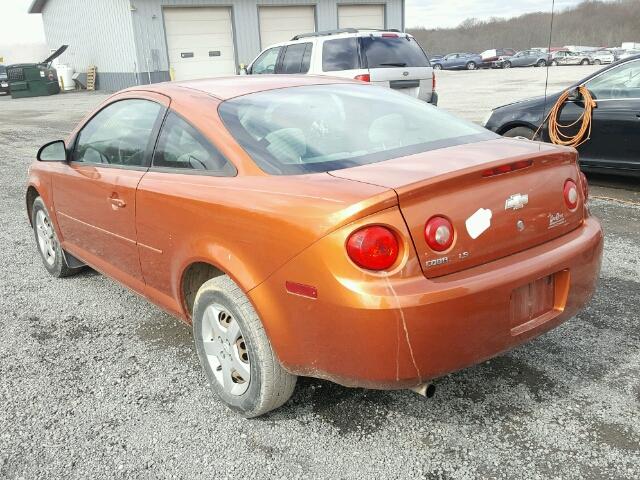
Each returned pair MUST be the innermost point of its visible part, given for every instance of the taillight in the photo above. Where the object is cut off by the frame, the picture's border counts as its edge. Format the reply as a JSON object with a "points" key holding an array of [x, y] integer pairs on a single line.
{"points": [[438, 232], [365, 77], [373, 248], [570, 193], [585, 186]]}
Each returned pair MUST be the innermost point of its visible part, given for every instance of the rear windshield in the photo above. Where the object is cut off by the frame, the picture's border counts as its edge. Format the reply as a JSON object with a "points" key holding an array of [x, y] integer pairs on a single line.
{"points": [[389, 52], [329, 127]]}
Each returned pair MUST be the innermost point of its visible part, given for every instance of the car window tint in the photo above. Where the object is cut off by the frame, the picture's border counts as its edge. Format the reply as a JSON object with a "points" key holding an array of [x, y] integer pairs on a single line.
{"points": [[389, 52], [181, 146], [619, 82], [266, 63], [340, 54], [294, 57], [118, 134]]}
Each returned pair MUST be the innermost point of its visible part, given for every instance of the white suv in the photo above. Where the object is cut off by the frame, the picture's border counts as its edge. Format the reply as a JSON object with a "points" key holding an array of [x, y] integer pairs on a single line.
{"points": [[388, 58]]}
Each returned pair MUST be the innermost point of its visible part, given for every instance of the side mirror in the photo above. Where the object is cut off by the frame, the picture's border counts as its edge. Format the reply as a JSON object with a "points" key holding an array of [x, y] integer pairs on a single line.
{"points": [[55, 151]]}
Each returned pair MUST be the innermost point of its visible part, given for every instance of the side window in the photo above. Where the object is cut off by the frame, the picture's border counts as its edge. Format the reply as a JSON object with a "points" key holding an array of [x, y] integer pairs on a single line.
{"points": [[340, 54], [119, 134], [294, 57], [266, 63], [619, 82], [181, 146]]}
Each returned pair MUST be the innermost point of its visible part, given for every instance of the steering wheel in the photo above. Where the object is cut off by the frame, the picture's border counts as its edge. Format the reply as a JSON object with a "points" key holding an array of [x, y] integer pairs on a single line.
{"points": [[123, 157], [93, 150]]}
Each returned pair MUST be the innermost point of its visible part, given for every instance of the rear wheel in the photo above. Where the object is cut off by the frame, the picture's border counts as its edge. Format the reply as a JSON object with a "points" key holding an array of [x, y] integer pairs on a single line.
{"points": [[525, 132], [48, 245], [584, 62], [541, 63], [235, 352], [597, 62], [554, 63], [437, 66], [471, 66]]}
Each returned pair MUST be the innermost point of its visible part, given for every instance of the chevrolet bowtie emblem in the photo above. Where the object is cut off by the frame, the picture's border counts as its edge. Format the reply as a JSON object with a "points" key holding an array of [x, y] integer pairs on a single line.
{"points": [[516, 201]]}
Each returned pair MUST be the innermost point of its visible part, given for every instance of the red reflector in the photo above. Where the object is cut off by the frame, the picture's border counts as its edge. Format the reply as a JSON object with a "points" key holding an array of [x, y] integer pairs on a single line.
{"points": [[373, 248], [301, 289], [570, 193], [365, 77], [509, 167], [433, 81], [389, 35], [438, 232]]}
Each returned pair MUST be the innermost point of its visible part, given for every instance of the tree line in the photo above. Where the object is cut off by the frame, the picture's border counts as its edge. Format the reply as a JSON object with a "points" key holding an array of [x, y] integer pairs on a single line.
{"points": [[592, 22]]}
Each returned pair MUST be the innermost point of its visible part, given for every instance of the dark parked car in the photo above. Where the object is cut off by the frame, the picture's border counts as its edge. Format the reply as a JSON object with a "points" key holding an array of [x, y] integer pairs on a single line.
{"points": [[4, 81], [525, 58], [614, 145], [457, 61], [494, 54]]}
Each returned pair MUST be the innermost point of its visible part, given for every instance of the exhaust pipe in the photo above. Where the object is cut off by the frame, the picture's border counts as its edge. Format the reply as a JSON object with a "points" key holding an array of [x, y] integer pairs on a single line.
{"points": [[427, 390]]}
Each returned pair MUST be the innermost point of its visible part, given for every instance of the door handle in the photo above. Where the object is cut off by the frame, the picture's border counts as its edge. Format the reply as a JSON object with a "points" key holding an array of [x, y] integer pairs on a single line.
{"points": [[117, 203]]}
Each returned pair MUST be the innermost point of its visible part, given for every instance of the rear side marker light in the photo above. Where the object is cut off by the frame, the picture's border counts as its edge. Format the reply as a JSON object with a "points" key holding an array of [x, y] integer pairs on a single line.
{"points": [[509, 167], [365, 77], [585, 186], [373, 248], [570, 193], [439, 233], [301, 289]]}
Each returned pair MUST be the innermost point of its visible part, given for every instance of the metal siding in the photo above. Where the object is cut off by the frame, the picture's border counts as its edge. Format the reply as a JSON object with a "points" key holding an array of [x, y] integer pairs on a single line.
{"points": [[98, 33]]}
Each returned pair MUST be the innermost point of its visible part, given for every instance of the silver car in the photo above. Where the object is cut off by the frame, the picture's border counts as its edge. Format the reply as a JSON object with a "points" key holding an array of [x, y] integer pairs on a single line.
{"points": [[602, 57], [563, 57]]}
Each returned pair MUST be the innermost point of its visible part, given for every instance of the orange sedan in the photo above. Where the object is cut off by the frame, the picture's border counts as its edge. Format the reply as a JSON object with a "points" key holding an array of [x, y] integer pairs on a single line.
{"points": [[319, 227]]}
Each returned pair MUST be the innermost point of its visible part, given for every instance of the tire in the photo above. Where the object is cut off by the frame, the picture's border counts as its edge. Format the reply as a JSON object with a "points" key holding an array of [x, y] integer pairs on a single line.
{"points": [[506, 64], [597, 62], [554, 63], [437, 66], [525, 132], [541, 63], [52, 255], [471, 66], [232, 345], [584, 62]]}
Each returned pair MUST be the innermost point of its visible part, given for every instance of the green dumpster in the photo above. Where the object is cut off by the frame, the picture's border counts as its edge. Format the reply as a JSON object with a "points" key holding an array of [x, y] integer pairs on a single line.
{"points": [[34, 79]]}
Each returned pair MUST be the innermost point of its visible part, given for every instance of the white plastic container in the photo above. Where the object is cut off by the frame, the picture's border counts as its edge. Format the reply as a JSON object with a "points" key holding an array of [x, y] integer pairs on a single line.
{"points": [[65, 77]]}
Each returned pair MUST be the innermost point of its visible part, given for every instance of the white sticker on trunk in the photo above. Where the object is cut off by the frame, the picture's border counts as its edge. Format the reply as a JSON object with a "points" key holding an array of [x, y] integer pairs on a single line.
{"points": [[478, 222]]}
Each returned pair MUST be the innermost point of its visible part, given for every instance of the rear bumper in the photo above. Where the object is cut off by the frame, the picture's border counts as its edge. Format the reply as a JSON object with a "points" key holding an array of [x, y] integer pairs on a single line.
{"points": [[421, 329]]}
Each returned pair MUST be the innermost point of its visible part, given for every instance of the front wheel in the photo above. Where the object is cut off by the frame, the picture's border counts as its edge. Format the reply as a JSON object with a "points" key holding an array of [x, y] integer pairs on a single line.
{"points": [[506, 65], [541, 63], [471, 66], [597, 62], [524, 132], [235, 352], [48, 245], [554, 63], [437, 66], [584, 62]]}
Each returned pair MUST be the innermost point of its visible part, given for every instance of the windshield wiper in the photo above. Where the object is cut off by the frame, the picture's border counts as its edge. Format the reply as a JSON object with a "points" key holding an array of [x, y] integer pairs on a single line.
{"points": [[399, 64]]}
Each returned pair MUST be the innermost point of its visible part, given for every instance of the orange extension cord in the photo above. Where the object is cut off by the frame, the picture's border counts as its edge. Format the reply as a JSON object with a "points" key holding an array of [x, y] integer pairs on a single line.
{"points": [[556, 128]]}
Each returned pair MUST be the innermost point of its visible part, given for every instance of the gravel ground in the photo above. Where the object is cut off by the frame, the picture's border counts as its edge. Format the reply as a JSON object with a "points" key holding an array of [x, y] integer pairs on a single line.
{"points": [[97, 383]]}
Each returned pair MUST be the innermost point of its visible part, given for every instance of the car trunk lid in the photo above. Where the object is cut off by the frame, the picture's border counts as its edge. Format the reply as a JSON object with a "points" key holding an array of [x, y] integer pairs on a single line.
{"points": [[493, 215]]}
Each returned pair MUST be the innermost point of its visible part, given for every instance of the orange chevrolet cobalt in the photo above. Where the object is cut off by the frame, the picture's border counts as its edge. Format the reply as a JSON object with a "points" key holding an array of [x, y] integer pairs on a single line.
{"points": [[319, 227]]}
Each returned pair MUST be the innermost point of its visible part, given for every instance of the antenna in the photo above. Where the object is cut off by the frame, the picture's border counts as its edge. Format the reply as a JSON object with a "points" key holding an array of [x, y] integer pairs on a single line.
{"points": [[546, 82]]}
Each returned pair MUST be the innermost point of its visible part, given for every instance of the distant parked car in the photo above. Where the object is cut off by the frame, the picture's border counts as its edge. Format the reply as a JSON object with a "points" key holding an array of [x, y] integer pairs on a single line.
{"points": [[614, 143], [4, 82], [525, 58], [434, 58], [458, 61], [564, 57], [629, 53], [602, 57], [494, 54], [385, 58]]}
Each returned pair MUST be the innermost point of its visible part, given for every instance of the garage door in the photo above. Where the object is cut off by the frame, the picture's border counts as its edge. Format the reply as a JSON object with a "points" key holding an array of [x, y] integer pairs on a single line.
{"points": [[361, 16], [200, 42], [280, 24]]}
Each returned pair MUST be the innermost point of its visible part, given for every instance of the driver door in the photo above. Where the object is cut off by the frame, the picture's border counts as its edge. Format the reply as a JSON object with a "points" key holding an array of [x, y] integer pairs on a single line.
{"points": [[95, 193]]}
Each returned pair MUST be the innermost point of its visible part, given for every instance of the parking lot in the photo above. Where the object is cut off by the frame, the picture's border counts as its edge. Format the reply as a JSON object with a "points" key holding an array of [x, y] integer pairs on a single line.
{"points": [[98, 383]]}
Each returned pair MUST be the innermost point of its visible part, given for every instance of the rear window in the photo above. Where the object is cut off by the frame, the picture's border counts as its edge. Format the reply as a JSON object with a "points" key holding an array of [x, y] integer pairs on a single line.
{"points": [[389, 52], [329, 127], [340, 54]]}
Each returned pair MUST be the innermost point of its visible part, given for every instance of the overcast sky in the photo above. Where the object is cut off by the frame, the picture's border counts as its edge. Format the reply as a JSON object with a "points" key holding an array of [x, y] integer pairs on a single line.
{"points": [[16, 26]]}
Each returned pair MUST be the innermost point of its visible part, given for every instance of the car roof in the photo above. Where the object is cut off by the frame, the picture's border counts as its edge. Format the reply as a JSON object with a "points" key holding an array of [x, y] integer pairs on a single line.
{"points": [[225, 88]]}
